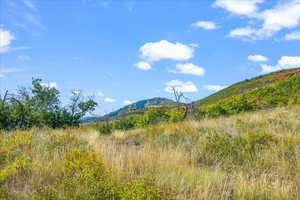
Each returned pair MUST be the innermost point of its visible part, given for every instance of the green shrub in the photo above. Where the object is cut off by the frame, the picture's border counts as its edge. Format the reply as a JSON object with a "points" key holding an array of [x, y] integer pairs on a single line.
{"points": [[104, 127], [124, 124], [140, 190], [233, 151]]}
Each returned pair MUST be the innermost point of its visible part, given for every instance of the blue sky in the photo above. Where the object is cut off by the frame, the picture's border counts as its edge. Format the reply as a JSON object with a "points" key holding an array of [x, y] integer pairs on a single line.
{"points": [[122, 51]]}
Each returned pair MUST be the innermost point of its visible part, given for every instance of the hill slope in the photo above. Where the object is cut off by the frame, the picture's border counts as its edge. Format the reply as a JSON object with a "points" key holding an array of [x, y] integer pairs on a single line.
{"points": [[247, 85], [157, 101]]}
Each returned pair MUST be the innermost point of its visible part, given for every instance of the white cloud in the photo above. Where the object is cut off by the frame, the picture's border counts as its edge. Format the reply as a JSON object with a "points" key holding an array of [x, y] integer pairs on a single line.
{"points": [[127, 102], [189, 68], [293, 35], [240, 7], [289, 61], [109, 100], [269, 68], [266, 23], [214, 88], [242, 32], [5, 39], [181, 86], [207, 25], [155, 51], [285, 62], [50, 85], [143, 65], [24, 57], [284, 15], [257, 58]]}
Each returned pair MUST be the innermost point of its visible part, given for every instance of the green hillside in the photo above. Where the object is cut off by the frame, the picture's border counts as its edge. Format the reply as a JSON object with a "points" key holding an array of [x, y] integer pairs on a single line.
{"points": [[147, 103], [247, 85], [280, 89]]}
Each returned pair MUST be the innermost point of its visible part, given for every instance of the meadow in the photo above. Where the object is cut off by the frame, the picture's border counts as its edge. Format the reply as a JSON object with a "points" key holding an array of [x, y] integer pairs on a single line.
{"points": [[248, 156]]}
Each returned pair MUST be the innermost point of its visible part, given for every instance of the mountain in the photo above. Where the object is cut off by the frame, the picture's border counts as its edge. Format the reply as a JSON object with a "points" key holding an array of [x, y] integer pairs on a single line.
{"points": [[248, 84], [154, 102]]}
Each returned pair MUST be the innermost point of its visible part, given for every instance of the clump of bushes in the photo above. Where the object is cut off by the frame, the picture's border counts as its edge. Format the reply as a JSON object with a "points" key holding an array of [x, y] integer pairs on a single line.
{"points": [[39, 106], [149, 117], [233, 151]]}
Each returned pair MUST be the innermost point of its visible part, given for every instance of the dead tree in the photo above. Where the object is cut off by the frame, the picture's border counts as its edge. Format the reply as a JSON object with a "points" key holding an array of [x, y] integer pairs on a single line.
{"points": [[179, 97]]}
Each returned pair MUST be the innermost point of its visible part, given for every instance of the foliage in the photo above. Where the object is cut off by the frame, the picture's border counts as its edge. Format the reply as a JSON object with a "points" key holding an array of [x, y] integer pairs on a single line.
{"points": [[280, 93], [149, 117], [40, 106], [243, 86]]}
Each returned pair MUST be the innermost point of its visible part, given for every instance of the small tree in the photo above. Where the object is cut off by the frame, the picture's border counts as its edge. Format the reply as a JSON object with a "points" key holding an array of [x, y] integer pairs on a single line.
{"points": [[40, 106], [79, 107]]}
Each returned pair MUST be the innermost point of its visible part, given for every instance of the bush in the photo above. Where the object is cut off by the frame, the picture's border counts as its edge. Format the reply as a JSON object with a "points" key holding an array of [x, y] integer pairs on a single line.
{"points": [[231, 151], [124, 124], [104, 128], [140, 190]]}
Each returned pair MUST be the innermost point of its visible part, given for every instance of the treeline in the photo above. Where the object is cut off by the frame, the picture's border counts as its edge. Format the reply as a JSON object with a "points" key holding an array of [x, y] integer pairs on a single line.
{"points": [[280, 93], [40, 106]]}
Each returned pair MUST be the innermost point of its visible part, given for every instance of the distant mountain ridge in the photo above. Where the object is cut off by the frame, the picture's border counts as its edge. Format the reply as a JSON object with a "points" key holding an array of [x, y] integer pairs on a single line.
{"points": [[146, 103]]}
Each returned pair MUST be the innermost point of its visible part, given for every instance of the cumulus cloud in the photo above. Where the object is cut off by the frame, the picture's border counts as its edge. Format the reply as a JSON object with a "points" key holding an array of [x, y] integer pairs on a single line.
{"points": [[143, 65], [239, 7], [49, 85], [257, 58], [214, 88], [284, 15], [207, 25], [295, 35], [189, 68], [127, 102], [242, 32], [5, 40], [285, 62], [109, 100], [181, 86], [289, 61], [155, 51]]}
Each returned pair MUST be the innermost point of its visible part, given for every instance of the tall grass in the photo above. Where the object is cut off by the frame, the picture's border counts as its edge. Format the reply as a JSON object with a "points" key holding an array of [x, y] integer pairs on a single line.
{"points": [[248, 156], [251, 156]]}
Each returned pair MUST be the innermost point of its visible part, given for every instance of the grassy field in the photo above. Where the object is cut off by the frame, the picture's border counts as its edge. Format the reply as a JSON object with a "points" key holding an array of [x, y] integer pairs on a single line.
{"points": [[250, 156]]}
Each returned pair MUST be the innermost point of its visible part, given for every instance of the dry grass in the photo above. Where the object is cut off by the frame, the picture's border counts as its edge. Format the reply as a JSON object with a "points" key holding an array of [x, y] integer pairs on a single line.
{"points": [[251, 156], [171, 154]]}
